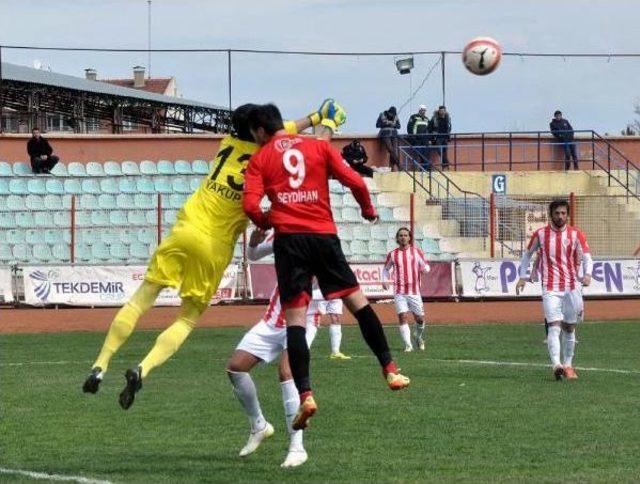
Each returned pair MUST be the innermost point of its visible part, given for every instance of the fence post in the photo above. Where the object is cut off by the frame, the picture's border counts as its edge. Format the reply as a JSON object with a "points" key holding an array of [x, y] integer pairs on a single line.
{"points": [[482, 151], [455, 152], [510, 150], [159, 218], [72, 255], [245, 267], [572, 209], [538, 168], [492, 225], [412, 213], [593, 150]]}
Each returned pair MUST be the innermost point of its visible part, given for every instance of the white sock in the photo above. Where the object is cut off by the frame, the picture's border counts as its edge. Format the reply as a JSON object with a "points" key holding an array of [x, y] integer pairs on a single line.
{"points": [[420, 330], [335, 333], [245, 390], [568, 347], [553, 343], [291, 401], [405, 334], [312, 329]]}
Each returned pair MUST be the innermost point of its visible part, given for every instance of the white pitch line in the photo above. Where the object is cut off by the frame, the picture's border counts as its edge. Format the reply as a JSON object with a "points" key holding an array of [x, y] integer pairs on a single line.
{"points": [[28, 363], [52, 477]]}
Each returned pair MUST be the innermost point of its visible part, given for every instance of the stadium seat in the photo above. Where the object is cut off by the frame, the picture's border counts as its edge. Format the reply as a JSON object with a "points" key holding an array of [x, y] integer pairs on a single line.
{"points": [[107, 202], [61, 252], [61, 219], [42, 253], [195, 183], [112, 168], [350, 214], [337, 215], [128, 185], [361, 232], [18, 186], [7, 220], [100, 251], [5, 169], [348, 200], [24, 220], [358, 249], [182, 167], [22, 253], [379, 232], [145, 185], [53, 236], [110, 236], [147, 236], [139, 251], [22, 169], [83, 218], [42, 219], [181, 185], [54, 187], [430, 245], [87, 202], [345, 231], [4, 186], [145, 201], [94, 169], [91, 186], [163, 185], [336, 187], [83, 253], [3, 204], [148, 167], [385, 214], [119, 251], [136, 217], [118, 218], [124, 201], [6, 255], [15, 236], [99, 218], [377, 249], [130, 168], [87, 236], [169, 216], [200, 167], [176, 200], [128, 236], [33, 202], [371, 185], [60, 170], [76, 169], [72, 186], [36, 186], [336, 200], [391, 244], [165, 167]]}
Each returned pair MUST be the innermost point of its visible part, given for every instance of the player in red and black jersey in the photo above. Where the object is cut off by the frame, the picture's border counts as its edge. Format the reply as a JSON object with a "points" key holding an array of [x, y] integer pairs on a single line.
{"points": [[293, 171]]}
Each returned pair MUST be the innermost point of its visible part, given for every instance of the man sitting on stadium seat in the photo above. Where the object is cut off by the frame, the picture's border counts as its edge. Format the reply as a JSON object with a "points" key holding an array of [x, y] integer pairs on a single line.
{"points": [[41, 153]]}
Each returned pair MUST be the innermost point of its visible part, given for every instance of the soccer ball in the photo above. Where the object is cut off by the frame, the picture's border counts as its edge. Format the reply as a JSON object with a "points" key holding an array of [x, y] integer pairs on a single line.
{"points": [[482, 55]]}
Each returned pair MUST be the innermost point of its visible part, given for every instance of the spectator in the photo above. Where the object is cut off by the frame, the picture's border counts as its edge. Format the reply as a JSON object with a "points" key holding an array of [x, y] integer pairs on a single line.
{"points": [[418, 131], [389, 125], [355, 154], [440, 126], [41, 153], [563, 131]]}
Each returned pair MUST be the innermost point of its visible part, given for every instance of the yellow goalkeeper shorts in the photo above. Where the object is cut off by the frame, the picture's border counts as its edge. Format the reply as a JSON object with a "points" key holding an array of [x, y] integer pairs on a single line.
{"points": [[190, 261]]}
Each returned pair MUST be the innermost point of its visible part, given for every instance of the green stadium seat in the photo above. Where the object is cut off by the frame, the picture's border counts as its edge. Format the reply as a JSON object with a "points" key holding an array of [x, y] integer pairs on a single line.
{"points": [[18, 186], [16, 236], [139, 251], [176, 200], [119, 251], [145, 201], [345, 231], [54, 187], [163, 185], [7, 220], [83, 253], [21, 253], [200, 167], [24, 220], [42, 219], [61, 219], [358, 249], [348, 200], [136, 217], [165, 167], [94, 169], [181, 185], [87, 202], [4, 186], [22, 169], [76, 169], [337, 215], [110, 236], [147, 236], [128, 236], [6, 255], [112, 168], [350, 214], [100, 251], [52, 237], [91, 186], [36, 186], [61, 252], [42, 253], [72, 186], [151, 217], [430, 245], [127, 185], [99, 218], [182, 167], [118, 218], [33, 202], [362, 231], [377, 249], [379, 232], [391, 244], [130, 168], [83, 218], [195, 183], [124, 201], [385, 214], [336, 200], [336, 187], [148, 168], [60, 170], [3, 204], [87, 236], [169, 216], [5, 169], [145, 185], [107, 202]]}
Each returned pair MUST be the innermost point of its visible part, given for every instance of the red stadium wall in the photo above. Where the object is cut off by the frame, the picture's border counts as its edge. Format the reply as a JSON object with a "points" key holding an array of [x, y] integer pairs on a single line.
{"points": [[136, 147]]}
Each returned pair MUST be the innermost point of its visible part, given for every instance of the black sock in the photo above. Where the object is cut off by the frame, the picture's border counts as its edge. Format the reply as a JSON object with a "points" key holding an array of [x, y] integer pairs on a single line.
{"points": [[299, 357], [546, 327], [373, 334]]}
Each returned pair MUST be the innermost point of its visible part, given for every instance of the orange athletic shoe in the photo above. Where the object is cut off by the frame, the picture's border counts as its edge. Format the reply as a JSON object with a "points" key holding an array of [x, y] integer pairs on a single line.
{"points": [[396, 381], [570, 373], [305, 412], [558, 372]]}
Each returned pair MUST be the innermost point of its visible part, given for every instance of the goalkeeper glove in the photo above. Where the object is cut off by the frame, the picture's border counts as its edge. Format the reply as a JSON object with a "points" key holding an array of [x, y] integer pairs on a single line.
{"points": [[316, 116], [333, 116]]}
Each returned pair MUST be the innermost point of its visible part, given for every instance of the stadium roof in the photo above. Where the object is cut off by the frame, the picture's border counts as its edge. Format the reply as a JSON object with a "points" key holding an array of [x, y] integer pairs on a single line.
{"points": [[13, 72]]}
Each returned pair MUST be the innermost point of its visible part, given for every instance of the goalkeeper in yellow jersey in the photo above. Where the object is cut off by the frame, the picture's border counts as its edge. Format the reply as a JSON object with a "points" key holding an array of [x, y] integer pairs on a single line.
{"points": [[196, 253]]}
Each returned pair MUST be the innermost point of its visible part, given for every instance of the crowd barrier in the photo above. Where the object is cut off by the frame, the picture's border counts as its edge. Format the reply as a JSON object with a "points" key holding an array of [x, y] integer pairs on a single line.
{"points": [[112, 285]]}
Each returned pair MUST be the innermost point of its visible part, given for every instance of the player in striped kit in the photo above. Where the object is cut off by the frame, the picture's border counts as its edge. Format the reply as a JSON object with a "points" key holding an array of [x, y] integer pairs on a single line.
{"points": [[562, 250], [264, 342], [407, 264]]}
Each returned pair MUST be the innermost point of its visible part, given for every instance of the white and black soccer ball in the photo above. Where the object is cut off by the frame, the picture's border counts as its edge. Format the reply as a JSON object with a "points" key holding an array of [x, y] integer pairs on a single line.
{"points": [[482, 55]]}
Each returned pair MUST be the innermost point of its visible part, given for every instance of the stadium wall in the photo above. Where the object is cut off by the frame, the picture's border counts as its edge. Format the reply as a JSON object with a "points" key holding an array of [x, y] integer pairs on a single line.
{"points": [[138, 147]]}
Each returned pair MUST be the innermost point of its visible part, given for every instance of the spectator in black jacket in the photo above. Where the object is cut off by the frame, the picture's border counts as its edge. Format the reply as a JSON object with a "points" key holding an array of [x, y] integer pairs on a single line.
{"points": [[41, 153], [389, 125], [563, 131], [418, 131], [355, 154], [440, 126]]}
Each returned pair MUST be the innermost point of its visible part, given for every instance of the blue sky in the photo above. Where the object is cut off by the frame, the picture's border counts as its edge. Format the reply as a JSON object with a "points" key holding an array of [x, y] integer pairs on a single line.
{"points": [[520, 95]]}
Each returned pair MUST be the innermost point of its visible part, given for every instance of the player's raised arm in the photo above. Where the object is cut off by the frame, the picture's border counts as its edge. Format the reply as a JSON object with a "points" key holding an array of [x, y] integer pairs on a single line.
{"points": [[253, 193], [532, 248]]}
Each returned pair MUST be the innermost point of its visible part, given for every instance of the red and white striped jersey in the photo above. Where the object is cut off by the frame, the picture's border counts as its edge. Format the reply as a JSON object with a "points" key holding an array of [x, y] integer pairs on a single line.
{"points": [[274, 315], [406, 265], [560, 254]]}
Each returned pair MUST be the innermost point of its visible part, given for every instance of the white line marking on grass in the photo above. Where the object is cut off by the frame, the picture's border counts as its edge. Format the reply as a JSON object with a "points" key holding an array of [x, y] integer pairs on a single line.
{"points": [[25, 363], [52, 477]]}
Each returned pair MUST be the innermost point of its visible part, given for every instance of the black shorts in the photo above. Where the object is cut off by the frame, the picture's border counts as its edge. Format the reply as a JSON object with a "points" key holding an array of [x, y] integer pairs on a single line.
{"points": [[299, 257]]}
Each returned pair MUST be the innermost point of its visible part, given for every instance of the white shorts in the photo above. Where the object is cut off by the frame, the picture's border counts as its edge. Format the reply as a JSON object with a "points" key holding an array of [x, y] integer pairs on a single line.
{"points": [[406, 303], [333, 306], [563, 306], [264, 342]]}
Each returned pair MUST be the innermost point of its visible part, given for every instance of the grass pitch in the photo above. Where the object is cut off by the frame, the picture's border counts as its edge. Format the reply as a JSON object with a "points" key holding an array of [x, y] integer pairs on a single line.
{"points": [[466, 417]]}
